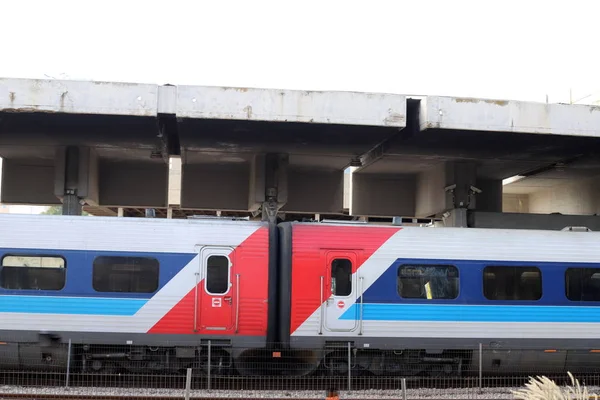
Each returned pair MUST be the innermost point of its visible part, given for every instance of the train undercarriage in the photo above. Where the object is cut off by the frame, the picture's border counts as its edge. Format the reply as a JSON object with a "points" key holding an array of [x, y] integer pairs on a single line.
{"points": [[52, 355]]}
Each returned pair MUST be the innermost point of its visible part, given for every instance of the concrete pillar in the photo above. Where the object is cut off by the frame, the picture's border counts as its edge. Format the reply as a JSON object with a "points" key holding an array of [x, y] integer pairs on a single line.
{"points": [[76, 178], [461, 178], [268, 184], [448, 186], [490, 199], [452, 188]]}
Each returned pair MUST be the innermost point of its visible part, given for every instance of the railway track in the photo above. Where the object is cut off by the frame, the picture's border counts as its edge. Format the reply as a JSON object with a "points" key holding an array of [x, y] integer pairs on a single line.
{"points": [[42, 386], [102, 397]]}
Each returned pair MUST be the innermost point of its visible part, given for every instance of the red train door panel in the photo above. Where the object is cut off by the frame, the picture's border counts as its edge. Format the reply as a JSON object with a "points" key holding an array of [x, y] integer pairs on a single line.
{"points": [[217, 299], [342, 285]]}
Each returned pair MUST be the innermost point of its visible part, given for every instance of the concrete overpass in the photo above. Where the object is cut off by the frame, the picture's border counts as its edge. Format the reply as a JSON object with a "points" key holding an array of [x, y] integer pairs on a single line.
{"points": [[277, 151]]}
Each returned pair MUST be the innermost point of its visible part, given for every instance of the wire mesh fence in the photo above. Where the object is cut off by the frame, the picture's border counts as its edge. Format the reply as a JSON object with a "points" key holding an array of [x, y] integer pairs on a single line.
{"points": [[469, 372]]}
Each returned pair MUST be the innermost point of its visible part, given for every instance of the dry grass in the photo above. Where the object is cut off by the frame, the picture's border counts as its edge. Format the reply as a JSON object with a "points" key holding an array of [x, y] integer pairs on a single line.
{"points": [[542, 388]]}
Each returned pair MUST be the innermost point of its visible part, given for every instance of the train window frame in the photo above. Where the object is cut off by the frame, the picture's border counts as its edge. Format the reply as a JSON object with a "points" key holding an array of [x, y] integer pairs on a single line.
{"points": [[595, 271], [34, 255], [228, 275], [417, 265], [525, 268], [95, 267], [331, 277]]}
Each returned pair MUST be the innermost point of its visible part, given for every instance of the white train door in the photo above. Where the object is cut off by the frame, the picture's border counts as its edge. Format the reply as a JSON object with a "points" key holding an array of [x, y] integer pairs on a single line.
{"points": [[341, 284]]}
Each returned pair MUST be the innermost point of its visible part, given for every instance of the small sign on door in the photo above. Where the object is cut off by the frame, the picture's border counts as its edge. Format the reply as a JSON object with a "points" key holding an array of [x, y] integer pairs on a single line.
{"points": [[216, 302]]}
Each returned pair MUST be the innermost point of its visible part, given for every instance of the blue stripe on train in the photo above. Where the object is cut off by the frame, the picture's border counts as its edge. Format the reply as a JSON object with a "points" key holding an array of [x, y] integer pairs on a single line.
{"points": [[384, 290], [70, 305], [472, 313], [79, 272]]}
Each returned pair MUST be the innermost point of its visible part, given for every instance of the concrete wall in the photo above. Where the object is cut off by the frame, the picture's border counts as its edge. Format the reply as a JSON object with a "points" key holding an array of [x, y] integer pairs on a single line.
{"points": [[579, 197], [491, 198], [314, 191], [133, 184], [215, 186], [430, 196], [383, 195], [374, 194], [27, 182], [515, 203]]}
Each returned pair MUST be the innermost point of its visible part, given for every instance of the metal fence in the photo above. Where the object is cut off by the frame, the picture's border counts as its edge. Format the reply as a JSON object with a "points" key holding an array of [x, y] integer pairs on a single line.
{"points": [[472, 372]]}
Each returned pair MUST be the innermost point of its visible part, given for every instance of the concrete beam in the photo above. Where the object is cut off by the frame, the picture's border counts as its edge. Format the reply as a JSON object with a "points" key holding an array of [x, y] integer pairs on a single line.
{"points": [[509, 116], [348, 108], [78, 97]]}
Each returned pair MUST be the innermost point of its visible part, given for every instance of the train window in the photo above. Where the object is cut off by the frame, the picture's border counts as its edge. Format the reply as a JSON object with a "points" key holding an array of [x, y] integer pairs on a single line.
{"points": [[22, 272], [341, 277], [582, 284], [217, 274], [512, 283], [125, 274], [429, 282]]}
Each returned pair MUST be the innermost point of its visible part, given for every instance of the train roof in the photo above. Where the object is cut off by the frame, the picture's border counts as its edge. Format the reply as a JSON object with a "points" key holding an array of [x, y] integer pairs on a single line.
{"points": [[366, 225], [193, 220]]}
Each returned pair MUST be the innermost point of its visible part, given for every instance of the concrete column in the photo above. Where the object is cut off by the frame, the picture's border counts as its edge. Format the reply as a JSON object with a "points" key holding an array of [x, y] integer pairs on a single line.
{"points": [[71, 202], [76, 178], [268, 184], [490, 199], [461, 177], [449, 186]]}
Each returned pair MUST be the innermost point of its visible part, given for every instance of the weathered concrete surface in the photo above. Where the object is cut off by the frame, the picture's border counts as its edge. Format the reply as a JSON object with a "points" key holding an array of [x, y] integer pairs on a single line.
{"points": [[509, 116], [397, 143]]}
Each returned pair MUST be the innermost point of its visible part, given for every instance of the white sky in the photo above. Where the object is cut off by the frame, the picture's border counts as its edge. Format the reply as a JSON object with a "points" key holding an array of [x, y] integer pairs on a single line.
{"points": [[500, 49]]}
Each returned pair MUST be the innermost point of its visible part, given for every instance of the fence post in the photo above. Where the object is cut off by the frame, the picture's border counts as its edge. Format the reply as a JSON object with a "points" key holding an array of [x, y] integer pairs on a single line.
{"points": [[480, 367], [209, 362], [403, 388], [349, 367], [188, 383], [68, 364]]}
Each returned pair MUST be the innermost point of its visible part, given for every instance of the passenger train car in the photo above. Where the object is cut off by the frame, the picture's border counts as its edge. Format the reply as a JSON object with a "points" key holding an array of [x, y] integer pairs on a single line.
{"points": [[132, 293], [411, 300], [150, 294]]}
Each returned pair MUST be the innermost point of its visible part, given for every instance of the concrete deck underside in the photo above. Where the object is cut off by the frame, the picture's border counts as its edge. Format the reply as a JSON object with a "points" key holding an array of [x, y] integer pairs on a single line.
{"points": [[109, 144]]}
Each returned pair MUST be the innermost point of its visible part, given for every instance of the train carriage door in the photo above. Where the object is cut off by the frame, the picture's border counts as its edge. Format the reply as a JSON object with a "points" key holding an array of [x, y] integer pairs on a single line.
{"points": [[341, 312], [216, 300]]}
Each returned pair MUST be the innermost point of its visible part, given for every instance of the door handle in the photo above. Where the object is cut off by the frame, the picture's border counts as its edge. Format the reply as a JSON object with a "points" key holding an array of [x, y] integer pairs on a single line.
{"points": [[227, 299]]}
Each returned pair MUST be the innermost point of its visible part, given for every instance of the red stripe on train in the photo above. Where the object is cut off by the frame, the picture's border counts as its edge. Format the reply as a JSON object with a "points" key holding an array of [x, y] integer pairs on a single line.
{"points": [[309, 248], [251, 260]]}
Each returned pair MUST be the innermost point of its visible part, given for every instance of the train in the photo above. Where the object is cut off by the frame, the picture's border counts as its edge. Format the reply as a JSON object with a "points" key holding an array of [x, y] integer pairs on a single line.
{"points": [[296, 298]]}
